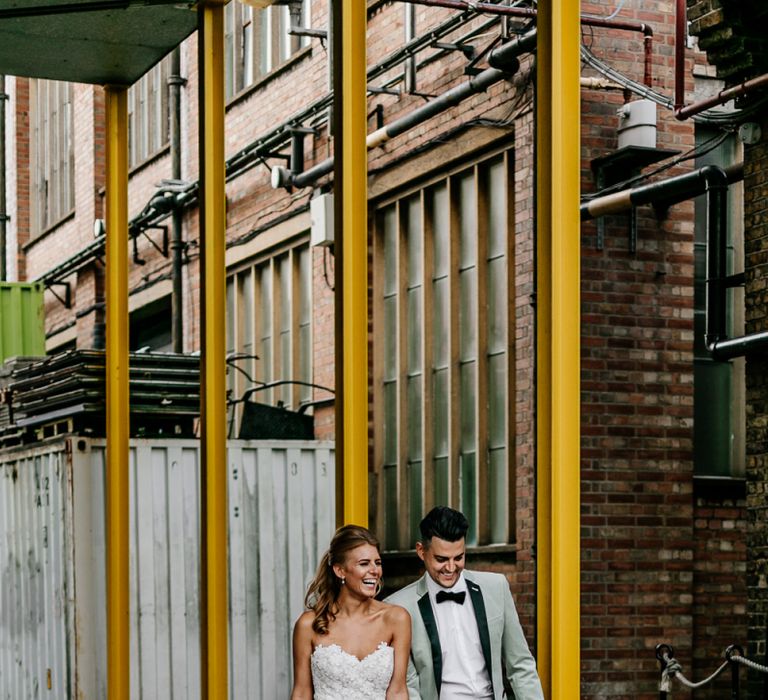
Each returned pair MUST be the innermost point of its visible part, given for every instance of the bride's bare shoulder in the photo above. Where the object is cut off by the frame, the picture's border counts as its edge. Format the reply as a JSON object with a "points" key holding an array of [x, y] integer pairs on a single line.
{"points": [[304, 622]]}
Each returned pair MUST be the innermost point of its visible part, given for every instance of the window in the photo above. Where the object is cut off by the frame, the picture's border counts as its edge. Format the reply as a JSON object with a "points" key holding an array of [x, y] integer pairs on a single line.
{"points": [[257, 42], [150, 327], [719, 398], [443, 362], [52, 152], [148, 125], [269, 332]]}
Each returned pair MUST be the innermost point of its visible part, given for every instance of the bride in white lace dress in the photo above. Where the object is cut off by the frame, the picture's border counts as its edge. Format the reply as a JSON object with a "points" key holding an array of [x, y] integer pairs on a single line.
{"points": [[348, 645]]}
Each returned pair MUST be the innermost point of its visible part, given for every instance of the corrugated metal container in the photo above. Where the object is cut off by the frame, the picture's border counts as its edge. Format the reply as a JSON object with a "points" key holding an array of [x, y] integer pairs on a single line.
{"points": [[22, 326], [52, 565]]}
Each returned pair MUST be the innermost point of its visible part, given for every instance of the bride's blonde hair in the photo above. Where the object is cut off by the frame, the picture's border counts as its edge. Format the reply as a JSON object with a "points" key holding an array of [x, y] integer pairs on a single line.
{"points": [[324, 590]]}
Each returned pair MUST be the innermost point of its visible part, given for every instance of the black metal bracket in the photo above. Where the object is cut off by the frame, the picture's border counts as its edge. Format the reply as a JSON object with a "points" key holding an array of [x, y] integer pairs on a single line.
{"points": [[67, 298], [375, 90], [306, 31], [162, 249], [467, 49], [616, 167]]}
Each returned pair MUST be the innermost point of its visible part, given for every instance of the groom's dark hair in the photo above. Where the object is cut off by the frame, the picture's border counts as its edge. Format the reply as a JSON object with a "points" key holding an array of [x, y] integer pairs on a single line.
{"points": [[445, 523]]}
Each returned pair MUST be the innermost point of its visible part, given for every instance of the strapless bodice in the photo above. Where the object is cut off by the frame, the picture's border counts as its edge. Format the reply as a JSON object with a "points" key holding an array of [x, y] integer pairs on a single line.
{"points": [[338, 675]]}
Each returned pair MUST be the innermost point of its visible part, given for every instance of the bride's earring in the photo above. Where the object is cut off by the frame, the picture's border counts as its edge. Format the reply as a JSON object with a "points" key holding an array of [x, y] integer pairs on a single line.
{"points": [[343, 580]]}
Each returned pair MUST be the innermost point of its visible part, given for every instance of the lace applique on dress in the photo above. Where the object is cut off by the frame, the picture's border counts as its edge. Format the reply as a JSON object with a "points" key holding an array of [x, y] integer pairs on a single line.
{"points": [[337, 675]]}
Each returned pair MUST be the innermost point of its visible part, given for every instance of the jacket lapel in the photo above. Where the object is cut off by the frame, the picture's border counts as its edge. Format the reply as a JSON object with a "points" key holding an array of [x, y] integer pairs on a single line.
{"points": [[428, 617], [482, 624]]}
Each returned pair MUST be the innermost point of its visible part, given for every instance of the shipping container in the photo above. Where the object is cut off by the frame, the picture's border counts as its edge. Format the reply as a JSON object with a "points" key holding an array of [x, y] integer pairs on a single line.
{"points": [[52, 565], [22, 324]]}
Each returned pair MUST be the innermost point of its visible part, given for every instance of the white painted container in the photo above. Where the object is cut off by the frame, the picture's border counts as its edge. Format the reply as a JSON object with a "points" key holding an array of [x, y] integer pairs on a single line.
{"points": [[52, 563], [637, 124]]}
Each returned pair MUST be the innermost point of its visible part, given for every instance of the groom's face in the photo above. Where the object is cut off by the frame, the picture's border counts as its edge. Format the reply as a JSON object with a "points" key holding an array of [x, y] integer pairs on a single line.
{"points": [[443, 560]]}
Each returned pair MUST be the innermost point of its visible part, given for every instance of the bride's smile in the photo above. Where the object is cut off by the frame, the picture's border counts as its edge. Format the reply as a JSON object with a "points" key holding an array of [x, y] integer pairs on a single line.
{"points": [[361, 571]]}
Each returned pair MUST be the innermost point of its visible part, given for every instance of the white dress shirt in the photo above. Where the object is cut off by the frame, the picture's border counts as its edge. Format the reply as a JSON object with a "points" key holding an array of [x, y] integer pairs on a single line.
{"points": [[464, 673]]}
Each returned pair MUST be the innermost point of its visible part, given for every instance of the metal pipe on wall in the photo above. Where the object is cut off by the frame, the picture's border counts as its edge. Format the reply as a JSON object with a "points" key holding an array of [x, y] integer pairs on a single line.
{"points": [[504, 55], [666, 192], [722, 97], [587, 20], [409, 69], [3, 206], [713, 181], [175, 81]]}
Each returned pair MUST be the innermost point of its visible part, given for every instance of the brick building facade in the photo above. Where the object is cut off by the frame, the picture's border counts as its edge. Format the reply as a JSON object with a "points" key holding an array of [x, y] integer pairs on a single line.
{"points": [[663, 550]]}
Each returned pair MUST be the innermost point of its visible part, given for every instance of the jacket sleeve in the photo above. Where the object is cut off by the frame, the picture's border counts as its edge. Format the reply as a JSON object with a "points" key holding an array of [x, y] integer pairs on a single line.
{"points": [[519, 664], [412, 680]]}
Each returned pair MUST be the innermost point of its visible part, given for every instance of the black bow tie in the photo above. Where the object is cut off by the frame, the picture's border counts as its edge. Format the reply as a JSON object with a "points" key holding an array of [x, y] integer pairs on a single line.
{"points": [[442, 596]]}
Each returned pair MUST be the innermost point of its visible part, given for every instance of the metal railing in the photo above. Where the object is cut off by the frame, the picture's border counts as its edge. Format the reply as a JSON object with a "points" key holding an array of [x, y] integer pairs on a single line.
{"points": [[672, 670]]}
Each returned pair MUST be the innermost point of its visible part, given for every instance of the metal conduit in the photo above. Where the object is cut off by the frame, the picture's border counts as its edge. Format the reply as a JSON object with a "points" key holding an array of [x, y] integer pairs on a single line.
{"points": [[587, 20], [175, 81], [503, 56], [683, 111], [713, 182], [669, 191], [3, 212], [722, 97]]}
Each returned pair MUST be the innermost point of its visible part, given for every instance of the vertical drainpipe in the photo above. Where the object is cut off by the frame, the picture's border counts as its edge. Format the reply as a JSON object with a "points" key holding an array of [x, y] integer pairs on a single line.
{"points": [[681, 21], [557, 347], [213, 397], [3, 210], [409, 82], [175, 81], [337, 59], [118, 412], [717, 227]]}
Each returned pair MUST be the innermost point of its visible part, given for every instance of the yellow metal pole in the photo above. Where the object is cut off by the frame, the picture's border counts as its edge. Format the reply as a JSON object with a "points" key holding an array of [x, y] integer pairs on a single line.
{"points": [[213, 367], [558, 161], [355, 262], [118, 639], [543, 350]]}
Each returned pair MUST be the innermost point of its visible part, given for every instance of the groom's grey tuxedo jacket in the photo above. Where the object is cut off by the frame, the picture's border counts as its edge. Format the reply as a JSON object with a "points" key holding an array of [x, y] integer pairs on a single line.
{"points": [[501, 637]]}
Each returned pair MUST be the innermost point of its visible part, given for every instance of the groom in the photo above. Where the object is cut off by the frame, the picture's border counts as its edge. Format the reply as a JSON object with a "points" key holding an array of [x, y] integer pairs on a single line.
{"points": [[465, 627]]}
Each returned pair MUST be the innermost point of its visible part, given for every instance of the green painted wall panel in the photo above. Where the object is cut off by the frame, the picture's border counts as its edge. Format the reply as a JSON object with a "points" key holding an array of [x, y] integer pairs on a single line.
{"points": [[22, 327]]}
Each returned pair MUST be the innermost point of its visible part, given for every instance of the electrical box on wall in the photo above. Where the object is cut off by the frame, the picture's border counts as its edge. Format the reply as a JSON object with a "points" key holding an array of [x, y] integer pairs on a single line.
{"points": [[321, 218]]}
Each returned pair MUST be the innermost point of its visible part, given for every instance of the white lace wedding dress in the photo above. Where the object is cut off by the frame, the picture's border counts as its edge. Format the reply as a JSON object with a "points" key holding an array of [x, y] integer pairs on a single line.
{"points": [[337, 675]]}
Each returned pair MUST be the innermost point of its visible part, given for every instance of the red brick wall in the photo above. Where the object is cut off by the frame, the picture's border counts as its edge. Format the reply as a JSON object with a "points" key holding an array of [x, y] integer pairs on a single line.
{"points": [[719, 583], [756, 317]]}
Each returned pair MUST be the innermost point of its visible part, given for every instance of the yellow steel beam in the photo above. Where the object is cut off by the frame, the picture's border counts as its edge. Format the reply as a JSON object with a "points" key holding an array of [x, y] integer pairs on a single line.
{"points": [[355, 262], [558, 359], [118, 639], [543, 354], [213, 385]]}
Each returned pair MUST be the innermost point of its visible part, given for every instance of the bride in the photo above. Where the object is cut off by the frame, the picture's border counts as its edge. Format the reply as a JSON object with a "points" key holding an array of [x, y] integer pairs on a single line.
{"points": [[348, 645]]}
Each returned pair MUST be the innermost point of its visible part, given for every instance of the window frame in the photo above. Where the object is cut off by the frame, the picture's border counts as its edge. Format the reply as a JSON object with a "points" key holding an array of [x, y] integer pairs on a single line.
{"points": [[248, 335], [149, 131], [244, 65], [52, 154], [706, 423], [410, 508]]}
